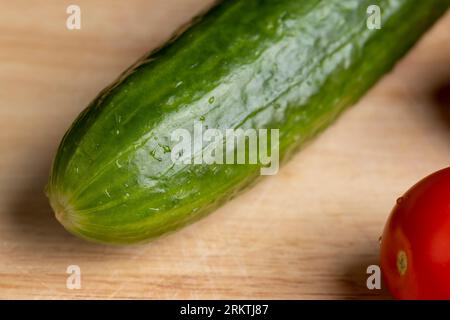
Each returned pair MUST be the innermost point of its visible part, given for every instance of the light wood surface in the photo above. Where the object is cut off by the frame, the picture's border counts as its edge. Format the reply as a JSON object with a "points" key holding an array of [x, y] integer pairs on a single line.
{"points": [[309, 232]]}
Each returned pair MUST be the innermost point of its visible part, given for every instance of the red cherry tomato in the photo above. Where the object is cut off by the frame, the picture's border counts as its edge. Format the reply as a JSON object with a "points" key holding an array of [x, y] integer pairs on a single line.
{"points": [[415, 246]]}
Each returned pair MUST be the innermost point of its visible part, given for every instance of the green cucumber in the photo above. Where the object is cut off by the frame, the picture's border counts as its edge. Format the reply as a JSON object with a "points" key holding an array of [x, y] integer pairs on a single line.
{"points": [[291, 65]]}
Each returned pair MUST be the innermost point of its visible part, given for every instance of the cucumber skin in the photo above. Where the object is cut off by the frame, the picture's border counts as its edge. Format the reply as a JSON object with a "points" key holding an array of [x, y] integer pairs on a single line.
{"points": [[287, 64]]}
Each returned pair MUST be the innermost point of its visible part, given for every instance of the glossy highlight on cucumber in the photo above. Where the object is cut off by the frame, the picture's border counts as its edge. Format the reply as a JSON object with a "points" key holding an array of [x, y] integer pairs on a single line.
{"points": [[291, 65]]}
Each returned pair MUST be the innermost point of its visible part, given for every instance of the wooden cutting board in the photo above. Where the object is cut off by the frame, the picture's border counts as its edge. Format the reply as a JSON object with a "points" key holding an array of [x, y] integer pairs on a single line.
{"points": [[309, 232]]}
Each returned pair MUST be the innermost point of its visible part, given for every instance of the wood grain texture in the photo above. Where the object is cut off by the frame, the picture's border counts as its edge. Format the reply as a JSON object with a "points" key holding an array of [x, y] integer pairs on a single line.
{"points": [[309, 232]]}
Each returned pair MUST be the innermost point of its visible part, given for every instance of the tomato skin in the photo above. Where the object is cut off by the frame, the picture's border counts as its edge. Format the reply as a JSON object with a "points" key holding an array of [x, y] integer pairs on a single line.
{"points": [[416, 241]]}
